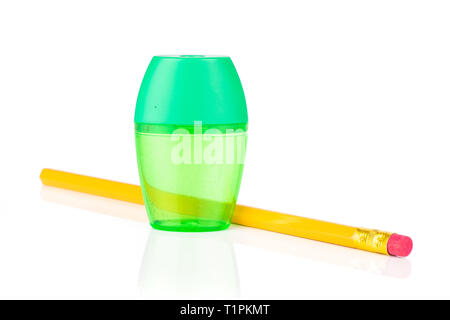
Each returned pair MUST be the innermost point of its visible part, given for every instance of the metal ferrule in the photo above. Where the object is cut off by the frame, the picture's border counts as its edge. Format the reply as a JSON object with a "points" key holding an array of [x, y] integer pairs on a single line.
{"points": [[371, 240]]}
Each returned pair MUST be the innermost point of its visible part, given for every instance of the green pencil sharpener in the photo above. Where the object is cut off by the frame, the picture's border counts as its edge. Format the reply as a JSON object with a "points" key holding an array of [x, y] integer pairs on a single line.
{"points": [[191, 136]]}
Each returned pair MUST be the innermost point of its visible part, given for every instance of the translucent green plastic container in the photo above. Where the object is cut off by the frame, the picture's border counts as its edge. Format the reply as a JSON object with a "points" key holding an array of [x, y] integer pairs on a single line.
{"points": [[191, 135]]}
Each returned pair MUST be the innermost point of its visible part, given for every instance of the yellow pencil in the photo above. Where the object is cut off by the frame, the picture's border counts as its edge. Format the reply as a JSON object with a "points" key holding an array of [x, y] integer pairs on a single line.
{"points": [[358, 238]]}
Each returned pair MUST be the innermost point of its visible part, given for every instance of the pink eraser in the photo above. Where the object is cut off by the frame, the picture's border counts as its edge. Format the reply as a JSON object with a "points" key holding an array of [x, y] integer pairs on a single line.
{"points": [[399, 245]]}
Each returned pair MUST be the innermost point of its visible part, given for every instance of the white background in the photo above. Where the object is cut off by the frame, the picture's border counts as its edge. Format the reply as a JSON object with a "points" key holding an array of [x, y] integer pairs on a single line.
{"points": [[349, 115]]}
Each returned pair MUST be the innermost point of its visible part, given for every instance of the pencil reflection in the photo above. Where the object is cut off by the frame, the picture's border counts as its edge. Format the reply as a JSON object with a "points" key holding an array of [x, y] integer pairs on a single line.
{"points": [[174, 264], [323, 252], [189, 250], [110, 207]]}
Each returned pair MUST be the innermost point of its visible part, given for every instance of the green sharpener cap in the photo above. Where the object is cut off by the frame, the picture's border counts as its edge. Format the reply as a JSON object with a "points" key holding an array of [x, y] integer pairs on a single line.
{"points": [[187, 88]]}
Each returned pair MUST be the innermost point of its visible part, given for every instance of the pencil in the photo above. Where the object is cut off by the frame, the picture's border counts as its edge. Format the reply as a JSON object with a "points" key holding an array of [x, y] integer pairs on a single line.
{"points": [[359, 238]]}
